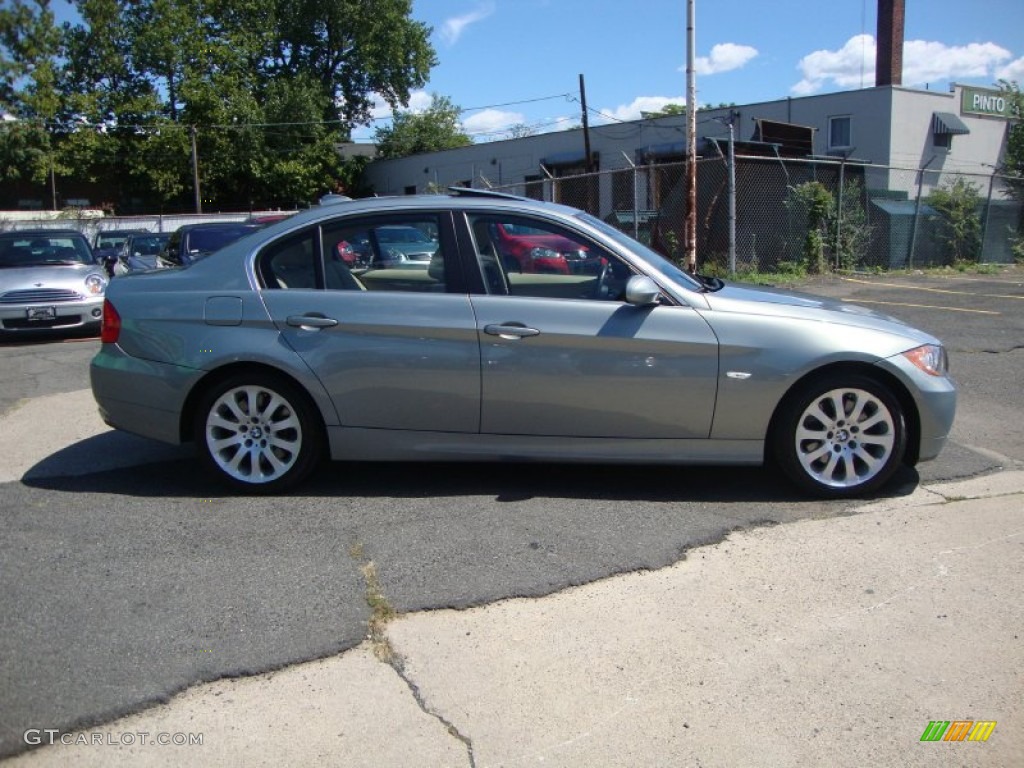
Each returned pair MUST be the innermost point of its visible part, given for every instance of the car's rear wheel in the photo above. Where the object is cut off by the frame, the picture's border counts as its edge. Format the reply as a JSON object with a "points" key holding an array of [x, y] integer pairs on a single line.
{"points": [[258, 433], [843, 435]]}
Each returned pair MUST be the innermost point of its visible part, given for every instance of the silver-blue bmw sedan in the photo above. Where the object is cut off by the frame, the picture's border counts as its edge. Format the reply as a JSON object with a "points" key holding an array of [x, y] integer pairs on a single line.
{"points": [[275, 352]]}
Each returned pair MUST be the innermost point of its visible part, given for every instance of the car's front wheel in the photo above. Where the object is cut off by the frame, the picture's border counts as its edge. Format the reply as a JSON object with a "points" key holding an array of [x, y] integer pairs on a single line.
{"points": [[843, 435], [258, 432]]}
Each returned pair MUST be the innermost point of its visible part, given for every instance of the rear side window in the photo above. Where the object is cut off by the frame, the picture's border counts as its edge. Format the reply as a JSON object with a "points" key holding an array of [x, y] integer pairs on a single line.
{"points": [[399, 253], [291, 264]]}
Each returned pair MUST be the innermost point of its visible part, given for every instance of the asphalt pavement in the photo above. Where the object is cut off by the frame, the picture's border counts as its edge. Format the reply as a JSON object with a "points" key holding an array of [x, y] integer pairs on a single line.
{"points": [[565, 616]]}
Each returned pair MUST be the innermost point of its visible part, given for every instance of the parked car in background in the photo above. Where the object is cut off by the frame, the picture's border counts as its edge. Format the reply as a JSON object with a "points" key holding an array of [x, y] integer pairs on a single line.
{"points": [[389, 246], [141, 251], [401, 246], [523, 248], [264, 219], [49, 280], [273, 353], [107, 246], [192, 242]]}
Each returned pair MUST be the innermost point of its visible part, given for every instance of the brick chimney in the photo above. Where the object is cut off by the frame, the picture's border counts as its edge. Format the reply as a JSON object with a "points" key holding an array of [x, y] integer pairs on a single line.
{"points": [[889, 53]]}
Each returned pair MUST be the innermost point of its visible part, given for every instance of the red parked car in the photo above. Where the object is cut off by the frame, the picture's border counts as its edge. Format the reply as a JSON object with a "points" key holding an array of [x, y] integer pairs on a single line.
{"points": [[526, 249]]}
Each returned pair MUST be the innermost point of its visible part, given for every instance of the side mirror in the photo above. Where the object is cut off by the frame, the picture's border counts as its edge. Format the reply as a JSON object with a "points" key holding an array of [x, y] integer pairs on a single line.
{"points": [[641, 291]]}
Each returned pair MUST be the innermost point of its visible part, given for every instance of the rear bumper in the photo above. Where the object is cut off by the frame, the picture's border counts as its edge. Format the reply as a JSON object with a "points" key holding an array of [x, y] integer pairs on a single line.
{"points": [[140, 396]]}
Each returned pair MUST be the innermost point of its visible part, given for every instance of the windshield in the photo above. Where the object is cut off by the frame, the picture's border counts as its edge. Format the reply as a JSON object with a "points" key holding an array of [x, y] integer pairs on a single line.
{"points": [[210, 240], [110, 241], [673, 272], [148, 245], [401, 235], [39, 250]]}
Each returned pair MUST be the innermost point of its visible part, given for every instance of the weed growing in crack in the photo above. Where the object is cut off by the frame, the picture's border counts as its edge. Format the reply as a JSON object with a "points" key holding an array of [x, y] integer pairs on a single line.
{"points": [[381, 611]]}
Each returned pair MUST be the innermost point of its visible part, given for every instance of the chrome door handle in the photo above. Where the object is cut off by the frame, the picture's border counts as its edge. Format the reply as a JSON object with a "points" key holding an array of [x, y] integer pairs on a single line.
{"points": [[311, 322], [510, 331]]}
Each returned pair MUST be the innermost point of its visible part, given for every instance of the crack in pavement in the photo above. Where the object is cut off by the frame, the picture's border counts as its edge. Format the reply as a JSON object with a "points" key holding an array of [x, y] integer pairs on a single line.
{"points": [[381, 614]]}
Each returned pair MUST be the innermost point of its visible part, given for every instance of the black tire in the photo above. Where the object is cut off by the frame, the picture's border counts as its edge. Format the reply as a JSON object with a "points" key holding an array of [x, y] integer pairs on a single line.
{"points": [[258, 433], [842, 435]]}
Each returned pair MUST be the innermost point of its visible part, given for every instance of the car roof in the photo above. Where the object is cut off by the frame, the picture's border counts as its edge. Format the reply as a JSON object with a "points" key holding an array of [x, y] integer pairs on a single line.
{"points": [[462, 199], [41, 233], [218, 225]]}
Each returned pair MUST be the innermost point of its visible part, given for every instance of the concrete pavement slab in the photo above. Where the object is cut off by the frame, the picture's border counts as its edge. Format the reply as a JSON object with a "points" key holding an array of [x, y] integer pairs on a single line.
{"points": [[350, 710]]}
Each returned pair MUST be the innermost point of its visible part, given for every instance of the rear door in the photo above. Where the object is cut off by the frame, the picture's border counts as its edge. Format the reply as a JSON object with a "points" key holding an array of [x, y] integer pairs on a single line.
{"points": [[396, 348]]}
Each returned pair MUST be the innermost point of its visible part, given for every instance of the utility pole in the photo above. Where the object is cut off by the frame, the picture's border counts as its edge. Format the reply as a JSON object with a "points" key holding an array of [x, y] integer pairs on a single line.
{"points": [[195, 169], [586, 127], [691, 140], [733, 114]]}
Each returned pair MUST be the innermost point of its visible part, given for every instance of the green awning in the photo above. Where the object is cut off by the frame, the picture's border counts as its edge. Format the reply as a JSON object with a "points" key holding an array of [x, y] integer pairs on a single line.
{"points": [[948, 124]]}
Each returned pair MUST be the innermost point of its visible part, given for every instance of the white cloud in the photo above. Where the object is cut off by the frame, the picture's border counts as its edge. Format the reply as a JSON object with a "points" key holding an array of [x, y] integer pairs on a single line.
{"points": [[419, 101], [453, 28], [1012, 71], [724, 58], [490, 121], [853, 65], [633, 110], [925, 62], [848, 67]]}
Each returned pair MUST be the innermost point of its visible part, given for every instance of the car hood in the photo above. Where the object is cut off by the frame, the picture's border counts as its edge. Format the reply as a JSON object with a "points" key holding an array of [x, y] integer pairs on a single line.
{"points": [[49, 276], [754, 300], [554, 242]]}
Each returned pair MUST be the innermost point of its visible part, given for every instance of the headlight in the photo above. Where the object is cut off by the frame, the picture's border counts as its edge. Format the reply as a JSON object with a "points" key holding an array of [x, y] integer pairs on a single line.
{"points": [[930, 358], [95, 285], [544, 253]]}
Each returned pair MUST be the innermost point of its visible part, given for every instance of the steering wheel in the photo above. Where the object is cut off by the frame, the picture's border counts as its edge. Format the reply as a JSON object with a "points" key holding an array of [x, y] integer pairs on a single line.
{"points": [[601, 287]]}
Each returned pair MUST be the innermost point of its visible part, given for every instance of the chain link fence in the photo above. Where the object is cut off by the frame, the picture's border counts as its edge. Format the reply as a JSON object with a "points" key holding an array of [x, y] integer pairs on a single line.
{"points": [[806, 215]]}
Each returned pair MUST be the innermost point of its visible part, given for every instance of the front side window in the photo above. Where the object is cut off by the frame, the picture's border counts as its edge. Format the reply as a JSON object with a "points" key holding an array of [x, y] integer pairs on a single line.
{"points": [[520, 256]]}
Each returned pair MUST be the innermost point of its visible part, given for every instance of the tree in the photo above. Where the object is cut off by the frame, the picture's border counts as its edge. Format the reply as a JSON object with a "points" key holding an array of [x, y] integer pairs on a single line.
{"points": [[411, 133], [849, 227], [667, 110], [814, 207], [353, 50], [521, 131], [1013, 157], [29, 49], [958, 204], [269, 88]]}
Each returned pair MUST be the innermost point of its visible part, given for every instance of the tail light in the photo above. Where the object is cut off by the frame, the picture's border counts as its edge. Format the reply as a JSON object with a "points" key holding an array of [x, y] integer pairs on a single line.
{"points": [[111, 324]]}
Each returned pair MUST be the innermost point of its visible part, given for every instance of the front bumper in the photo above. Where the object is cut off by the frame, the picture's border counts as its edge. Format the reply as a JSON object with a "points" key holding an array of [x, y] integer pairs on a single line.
{"points": [[935, 400], [51, 316]]}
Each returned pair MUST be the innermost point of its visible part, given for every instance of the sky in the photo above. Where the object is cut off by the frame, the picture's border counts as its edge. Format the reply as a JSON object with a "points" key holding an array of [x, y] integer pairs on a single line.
{"points": [[518, 62]]}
